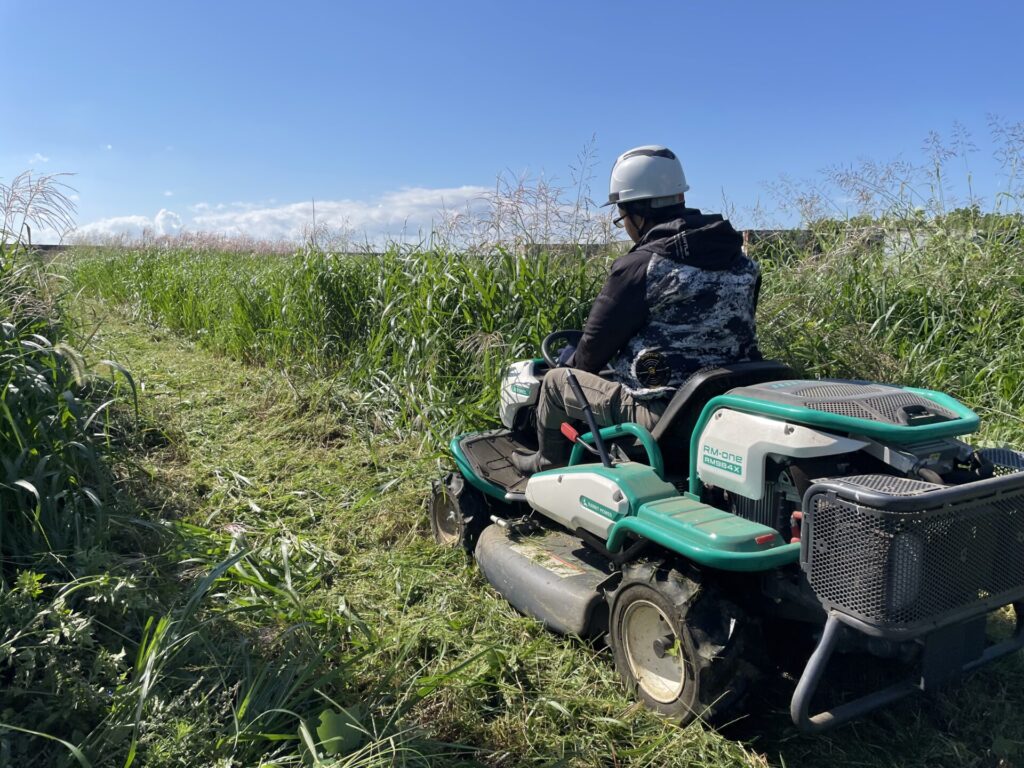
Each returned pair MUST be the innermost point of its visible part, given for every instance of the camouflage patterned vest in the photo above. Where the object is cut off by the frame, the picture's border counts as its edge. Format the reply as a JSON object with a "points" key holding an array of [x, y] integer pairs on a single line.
{"points": [[701, 296]]}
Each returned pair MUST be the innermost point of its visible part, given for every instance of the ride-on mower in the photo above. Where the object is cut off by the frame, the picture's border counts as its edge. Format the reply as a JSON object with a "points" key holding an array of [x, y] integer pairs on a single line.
{"points": [[847, 511]]}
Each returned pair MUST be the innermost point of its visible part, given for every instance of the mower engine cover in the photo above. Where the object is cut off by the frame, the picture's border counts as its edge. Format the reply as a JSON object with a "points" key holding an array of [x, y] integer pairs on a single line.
{"points": [[519, 389], [733, 447]]}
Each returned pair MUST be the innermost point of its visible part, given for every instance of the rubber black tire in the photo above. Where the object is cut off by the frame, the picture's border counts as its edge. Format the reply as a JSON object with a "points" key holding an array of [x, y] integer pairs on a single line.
{"points": [[458, 512], [712, 633]]}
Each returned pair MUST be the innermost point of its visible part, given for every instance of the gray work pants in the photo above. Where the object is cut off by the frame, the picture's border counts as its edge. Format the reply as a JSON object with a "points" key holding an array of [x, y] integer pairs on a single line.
{"points": [[610, 401]]}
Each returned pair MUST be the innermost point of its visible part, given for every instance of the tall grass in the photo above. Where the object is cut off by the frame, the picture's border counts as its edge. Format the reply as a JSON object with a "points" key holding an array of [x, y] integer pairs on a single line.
{"points": [[127, 638], [419, 338], [934, 304], [43, 201], [53, 418], [55, 488]]}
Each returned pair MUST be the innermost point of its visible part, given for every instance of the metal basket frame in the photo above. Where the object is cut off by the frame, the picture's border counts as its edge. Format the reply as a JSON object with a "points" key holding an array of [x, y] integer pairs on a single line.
{"points": [[900, 565], [949, 624]]}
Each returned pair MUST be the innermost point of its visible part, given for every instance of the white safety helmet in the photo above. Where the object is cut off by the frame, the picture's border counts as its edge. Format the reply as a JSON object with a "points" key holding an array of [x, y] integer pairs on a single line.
{"points": [[651, 172]]}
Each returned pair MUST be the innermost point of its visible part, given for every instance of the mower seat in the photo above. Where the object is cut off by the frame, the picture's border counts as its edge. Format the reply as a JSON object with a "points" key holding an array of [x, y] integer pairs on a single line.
{"points": [[676, 425]]}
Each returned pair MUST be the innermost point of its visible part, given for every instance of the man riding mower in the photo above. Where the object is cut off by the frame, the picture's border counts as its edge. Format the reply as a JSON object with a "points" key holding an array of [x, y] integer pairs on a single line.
{"points": [[682, 299], [716, 494]]}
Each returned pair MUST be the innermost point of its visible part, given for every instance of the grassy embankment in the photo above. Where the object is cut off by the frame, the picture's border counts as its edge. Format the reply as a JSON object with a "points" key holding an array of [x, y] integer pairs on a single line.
{"points": [[267, 514]]}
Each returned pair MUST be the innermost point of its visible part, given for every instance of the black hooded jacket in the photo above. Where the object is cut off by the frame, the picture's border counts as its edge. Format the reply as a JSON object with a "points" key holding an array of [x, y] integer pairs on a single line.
{"points": [[683, 298]]}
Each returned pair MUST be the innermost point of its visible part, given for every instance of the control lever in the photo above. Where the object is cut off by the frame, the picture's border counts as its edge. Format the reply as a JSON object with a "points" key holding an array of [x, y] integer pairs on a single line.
{"points": [[588, 413]]}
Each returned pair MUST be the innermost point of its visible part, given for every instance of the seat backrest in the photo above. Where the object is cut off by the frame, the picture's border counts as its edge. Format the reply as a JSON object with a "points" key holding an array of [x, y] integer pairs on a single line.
{"points": [[676, 425]]}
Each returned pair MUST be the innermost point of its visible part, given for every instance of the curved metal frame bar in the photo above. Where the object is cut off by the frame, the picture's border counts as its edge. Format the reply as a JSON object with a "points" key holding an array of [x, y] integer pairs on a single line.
{"points": [[626, 429], [967, 422], [814, 672]]}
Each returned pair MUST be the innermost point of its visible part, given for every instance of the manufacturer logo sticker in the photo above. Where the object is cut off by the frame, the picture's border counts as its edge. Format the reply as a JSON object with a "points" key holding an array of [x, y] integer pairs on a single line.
{"points": [[588, 503], [726, 461]]}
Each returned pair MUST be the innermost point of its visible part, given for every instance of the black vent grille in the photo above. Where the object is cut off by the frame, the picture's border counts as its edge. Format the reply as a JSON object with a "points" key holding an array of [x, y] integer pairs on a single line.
{"points": [[889, 406], [883, 408], [1005, 460], [890, 484], [836, 390], [908, 570], [844, 408]]}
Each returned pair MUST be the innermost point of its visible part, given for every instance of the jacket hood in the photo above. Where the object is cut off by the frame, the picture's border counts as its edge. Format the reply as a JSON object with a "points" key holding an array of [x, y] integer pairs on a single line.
{"points": [[707, 241]]}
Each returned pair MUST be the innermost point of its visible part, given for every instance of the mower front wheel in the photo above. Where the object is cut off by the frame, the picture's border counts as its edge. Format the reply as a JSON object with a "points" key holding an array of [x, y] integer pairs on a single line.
{"points": [[678, 643], [458, 513]]}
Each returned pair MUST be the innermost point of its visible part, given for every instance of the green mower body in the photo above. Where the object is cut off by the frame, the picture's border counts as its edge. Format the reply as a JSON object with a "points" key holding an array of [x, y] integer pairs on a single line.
{"points": [[850, 510]]}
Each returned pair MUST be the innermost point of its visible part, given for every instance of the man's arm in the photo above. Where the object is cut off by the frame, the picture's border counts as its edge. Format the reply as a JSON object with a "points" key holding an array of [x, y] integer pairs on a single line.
{"points": [[619, 311]]}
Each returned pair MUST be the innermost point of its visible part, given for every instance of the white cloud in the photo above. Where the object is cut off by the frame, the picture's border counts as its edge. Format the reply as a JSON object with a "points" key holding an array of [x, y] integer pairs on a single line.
{"points": [[167, 222], [168, 193], [38, 157], [131, 227], [394, 215], [116, 226], [405, 214], [110, 146], [45, 236]]}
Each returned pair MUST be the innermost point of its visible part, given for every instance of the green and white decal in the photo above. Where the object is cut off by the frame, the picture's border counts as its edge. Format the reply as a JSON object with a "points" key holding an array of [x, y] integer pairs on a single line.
{"points": [[723, 459], [593, 497], [519, 389], [588, 503]]}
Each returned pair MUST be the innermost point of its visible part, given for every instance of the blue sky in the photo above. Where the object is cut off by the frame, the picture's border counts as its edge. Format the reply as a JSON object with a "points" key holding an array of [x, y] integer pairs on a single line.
{"points": [[233, 115]]}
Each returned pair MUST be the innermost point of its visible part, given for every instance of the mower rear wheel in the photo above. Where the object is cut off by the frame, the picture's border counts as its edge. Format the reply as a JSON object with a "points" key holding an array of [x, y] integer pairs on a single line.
{"points": [[678, 643], [458, 512]]}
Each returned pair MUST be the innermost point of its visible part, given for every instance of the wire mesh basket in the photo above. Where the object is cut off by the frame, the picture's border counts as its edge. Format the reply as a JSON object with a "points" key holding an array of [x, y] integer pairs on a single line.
{"points": [[900, 554]]}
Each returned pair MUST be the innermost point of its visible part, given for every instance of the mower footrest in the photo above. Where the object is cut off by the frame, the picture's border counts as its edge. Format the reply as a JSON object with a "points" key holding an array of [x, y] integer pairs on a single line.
{"points": [[488, 458], [706, 535]]}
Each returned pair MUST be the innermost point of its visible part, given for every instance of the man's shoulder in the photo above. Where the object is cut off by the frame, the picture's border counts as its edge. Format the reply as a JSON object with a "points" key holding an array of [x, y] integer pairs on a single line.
{"points": [[635, 260]]}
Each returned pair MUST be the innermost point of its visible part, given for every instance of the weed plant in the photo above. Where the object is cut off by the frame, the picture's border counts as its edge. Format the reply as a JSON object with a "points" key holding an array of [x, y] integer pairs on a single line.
{"points": [[128, 636], [131, 636], [54, 486], [940, 309]]}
